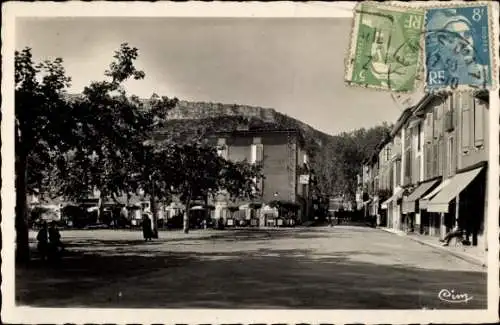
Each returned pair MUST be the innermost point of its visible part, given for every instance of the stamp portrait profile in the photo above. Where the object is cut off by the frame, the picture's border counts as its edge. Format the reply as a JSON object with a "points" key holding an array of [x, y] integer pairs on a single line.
{"points": [[458, 48], [385, 47]]}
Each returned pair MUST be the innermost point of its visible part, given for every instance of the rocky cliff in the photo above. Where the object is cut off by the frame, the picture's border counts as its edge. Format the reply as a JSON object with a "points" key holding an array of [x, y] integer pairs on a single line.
{"points": [[197, 118]]}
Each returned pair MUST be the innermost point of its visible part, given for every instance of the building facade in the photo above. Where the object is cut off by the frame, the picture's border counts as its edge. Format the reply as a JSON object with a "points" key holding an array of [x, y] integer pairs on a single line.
{"points": [[283, 158], [438, 156]]}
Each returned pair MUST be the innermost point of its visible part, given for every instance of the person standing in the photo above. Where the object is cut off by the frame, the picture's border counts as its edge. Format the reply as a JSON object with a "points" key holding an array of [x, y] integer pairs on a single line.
{"points": [[146, 227], [43, 240], [55, 243]]}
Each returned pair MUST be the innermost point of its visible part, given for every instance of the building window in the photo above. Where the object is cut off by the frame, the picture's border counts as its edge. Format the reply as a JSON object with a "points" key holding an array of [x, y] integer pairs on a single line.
{"points": [[428, 128], [435, 159], [221, 141], [398, 172], [408, 156], [428, 161], [478, 123], [253, 154], [256, 154], [222, 151], [466, 119], [418, 129]]}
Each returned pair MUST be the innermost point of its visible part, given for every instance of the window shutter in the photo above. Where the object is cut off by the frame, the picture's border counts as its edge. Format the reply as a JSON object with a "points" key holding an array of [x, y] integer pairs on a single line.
{"points": [[466, 116], [451, 156], [259, 153], [253, 153], [434, 123], [479, 110], [428, 128]]}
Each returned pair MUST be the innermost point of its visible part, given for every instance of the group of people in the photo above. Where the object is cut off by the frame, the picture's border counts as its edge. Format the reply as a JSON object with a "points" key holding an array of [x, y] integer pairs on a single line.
{"points": [[49, 242]]}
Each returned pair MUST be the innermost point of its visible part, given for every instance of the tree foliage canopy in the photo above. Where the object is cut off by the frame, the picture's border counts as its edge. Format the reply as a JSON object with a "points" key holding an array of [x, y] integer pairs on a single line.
{"points": [[98, 140], [337, 165]]}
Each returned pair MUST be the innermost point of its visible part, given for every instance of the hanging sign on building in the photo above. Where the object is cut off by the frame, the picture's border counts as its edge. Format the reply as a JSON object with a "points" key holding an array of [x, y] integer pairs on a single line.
{"points": [[304, 179]]}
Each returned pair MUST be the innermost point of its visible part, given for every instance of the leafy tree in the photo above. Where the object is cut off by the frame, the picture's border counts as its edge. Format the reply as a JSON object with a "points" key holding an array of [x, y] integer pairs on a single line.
{"points": [[70, 145], [43, 124], [195, 170], [111, 154], [340, 159]]}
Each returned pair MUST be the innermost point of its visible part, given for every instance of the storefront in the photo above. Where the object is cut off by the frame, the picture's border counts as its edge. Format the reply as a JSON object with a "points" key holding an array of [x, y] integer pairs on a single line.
{"points": [[410, 206], [468, 190], [393, 207]]}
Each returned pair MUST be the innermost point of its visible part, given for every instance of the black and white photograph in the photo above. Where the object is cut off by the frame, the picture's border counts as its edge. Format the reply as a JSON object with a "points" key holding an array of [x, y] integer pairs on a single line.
{"points": [[208, 162]]}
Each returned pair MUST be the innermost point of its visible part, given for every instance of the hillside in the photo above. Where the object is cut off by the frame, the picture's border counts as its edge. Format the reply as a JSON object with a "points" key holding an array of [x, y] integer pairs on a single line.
{"points": [[191, 119]]}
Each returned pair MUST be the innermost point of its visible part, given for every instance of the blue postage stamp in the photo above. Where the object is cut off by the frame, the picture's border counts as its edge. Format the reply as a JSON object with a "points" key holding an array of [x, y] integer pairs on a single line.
{"points": [[458, 48]]}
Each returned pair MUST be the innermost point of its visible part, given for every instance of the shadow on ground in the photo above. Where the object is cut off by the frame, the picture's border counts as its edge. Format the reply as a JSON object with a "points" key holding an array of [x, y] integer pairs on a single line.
{"points": [[148, 277]]}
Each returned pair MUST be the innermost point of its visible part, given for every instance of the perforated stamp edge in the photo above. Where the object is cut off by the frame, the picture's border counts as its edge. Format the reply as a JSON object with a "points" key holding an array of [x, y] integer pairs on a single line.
{"points": [[492, 45], [351, 50]]}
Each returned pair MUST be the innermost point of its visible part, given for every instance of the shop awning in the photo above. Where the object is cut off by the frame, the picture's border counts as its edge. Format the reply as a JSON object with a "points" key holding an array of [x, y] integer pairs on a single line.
{"points": [[424, 201], [409, 202], [457, 184], [395, 197]]}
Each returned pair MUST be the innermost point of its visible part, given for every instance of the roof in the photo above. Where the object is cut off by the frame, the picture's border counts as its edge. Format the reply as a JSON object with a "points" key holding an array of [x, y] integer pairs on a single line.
{"points": [[259, 131], [401, 121]]}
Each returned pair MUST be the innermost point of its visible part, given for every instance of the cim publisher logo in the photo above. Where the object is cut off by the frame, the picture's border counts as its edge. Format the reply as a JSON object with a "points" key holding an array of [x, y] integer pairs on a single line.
{"points": [[453, 296]]}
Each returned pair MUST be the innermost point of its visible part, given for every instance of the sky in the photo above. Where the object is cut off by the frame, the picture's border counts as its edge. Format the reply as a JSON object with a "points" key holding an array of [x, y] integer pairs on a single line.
{"points": [[294, 65]]}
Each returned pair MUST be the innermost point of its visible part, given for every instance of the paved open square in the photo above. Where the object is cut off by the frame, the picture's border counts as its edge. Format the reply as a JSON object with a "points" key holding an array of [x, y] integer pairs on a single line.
{"points": [[334, 268]]}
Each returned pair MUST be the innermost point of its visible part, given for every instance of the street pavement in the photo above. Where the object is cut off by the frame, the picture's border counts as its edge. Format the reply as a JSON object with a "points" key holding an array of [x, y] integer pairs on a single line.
{"points": [[328, 268]]}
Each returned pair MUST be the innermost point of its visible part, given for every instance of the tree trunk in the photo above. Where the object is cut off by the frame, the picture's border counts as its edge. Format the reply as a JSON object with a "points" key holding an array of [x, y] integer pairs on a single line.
{"points": [[207, 210], [154, 211], [185, 221], [21, 218], [100, 211]]}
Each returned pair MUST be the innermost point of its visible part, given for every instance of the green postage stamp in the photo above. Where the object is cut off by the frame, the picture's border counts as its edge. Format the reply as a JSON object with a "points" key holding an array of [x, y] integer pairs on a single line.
{"points": [[385, 50]]}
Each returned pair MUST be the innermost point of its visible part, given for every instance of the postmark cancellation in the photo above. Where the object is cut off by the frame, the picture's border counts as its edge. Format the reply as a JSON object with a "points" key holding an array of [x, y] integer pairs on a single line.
{"points": [[458, 47]]}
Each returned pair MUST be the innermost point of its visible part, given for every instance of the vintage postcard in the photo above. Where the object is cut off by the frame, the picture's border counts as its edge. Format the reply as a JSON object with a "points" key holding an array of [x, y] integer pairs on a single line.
{"points": [[207, 163], [459, 49]]}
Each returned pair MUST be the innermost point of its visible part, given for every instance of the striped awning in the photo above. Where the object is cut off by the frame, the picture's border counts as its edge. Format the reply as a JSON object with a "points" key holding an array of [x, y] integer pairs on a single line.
{"points": [[440, 203], [410, 201], [397, 195], [424, 201]]}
